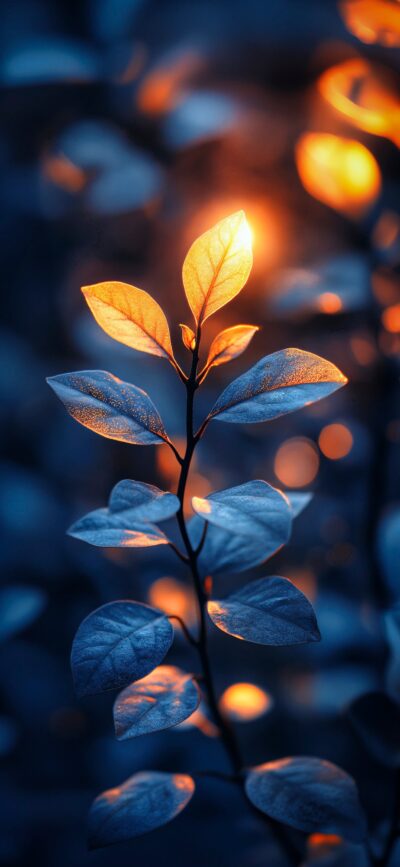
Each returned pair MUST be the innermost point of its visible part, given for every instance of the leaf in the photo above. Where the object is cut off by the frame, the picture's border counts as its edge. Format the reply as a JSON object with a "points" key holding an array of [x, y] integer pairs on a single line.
{"points": [[217, 266], [142, 502], [267, 611], [308, 794], [19, 607], [250, 510], [280, 383], [376, 719], [144, 802], [224, 551], [131, 316], [188, 337], [299, 501], [164, 698], [110, 407], [116, 644], [106, 529], [229, 344]]}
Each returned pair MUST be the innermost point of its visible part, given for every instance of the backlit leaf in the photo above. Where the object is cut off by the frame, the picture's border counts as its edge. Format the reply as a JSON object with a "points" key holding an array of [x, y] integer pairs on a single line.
{"points": [[376, 719], [188, 337], [267, 611], [308, 794], [142, 501], [225, 551], [144, 802], [118, 643], [229, 344], [131, 316], [280, 383], [217, 266], [252, 509], [107, 529], [164, 698], [112, 408]]}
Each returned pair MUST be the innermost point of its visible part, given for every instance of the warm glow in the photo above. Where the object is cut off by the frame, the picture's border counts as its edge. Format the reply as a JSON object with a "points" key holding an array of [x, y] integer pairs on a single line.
{"points": [[386, 233], [329, 302], [338, 171], [317, 841], [296, 462], [373, 20], [171, 596], [363, 349], [165, 85], [335, 441], [391, 319], [245, 701], [357, 91], [62, 172]]}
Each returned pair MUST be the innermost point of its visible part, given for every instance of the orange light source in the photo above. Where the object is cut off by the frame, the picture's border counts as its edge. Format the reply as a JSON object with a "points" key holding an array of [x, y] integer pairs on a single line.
{"points": [[296, 462], [329, 302], [373, 20], [391, 319], [320, 841], [338, 171], [365, 96], [335, 441], [245, 701], [174, 598]]}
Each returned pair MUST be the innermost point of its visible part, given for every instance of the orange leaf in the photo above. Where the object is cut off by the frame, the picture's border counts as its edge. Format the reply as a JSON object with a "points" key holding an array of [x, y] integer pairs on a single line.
{"points": [[131, 316], [217, 266], [188, 337], [230, 343]]}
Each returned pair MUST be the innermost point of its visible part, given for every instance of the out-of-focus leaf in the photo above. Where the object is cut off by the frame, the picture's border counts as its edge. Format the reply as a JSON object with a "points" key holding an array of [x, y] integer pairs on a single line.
{"points": [[309, 794], [376, 719], [280, 383], [229, 344], [335, 285], [112, 408], [298, 500], [136, 183], [142, 501], [331, 851], [19, 607], [107, 529], [48, 60], [217, 266], [131, 316], [252, 509], [388, 545], [125, 523], [201, 116], [224, 551], [118, 643], [267, 611], [188, 337], [164, 698], [144, 802]]}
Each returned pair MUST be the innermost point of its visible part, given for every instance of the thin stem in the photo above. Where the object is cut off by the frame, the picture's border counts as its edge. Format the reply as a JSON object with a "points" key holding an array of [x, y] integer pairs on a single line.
{"points": [[175, 451], [184, 628], [178, 552]]}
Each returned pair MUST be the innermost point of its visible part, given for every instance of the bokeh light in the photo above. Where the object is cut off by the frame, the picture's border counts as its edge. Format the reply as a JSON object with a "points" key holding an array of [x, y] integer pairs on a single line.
{"points": [[244, 702], [335, 441], [296, 462]]}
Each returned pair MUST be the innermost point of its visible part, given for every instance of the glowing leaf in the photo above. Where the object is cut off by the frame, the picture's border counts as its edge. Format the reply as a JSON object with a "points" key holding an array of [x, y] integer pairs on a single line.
{"points": [[376, 719], [250, 510], [142, 501], [280, 383], [164, 698], [229, 344], [225, 551], [188, 337], [112, 408], [217, 266], [116, 644], [145, 801], [131, 316], [267, 611], [106, 529], [308, 794]]}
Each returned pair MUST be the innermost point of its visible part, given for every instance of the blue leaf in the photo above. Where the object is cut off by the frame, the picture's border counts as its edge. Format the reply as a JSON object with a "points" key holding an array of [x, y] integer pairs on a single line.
{"points": [[254, 509], [308, 794], [298, 500], [144, 802], [112, 408], [143, 502], [116, 644], [280, 383], [164, 698], [267, 611], [106, 529], [376, 719], [224, 551], [19, 607]]}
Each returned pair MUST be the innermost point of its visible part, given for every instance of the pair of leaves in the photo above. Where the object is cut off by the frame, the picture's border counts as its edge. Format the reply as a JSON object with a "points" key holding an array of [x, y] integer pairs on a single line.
{"points": [[308, 794], [146, 801], [164, 698], [227, 551], [127, 522], [118, 643], [269, 611]]}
